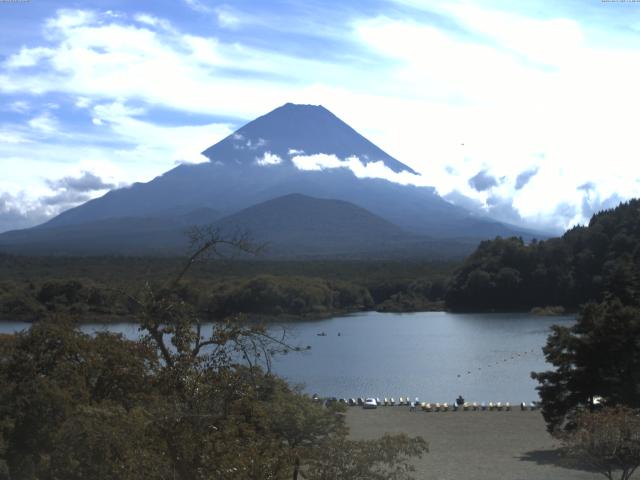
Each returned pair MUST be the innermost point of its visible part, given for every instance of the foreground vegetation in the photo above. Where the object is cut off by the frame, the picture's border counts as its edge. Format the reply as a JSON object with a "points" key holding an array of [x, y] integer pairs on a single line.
{"points": [[591, 398], [598, 358], [175, 404]]}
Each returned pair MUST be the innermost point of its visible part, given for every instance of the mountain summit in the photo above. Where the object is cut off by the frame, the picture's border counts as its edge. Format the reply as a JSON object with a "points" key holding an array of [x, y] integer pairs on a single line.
{"points": [[295, 149], [298, 130]]}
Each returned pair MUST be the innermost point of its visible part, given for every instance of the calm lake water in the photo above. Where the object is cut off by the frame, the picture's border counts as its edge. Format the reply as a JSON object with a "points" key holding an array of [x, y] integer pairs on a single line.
{"points": [[432, 355]]}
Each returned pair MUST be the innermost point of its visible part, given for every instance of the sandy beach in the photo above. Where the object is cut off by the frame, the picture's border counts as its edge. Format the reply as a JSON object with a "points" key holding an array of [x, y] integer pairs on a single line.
{"points": [[494, 445]]}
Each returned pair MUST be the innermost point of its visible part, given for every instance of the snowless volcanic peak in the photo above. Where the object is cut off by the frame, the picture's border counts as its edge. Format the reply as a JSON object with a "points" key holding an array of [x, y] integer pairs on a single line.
{"points": [[294, 150], [292, 131]]}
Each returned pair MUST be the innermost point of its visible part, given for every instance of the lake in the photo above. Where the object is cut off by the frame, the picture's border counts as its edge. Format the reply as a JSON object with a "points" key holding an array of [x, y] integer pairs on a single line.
{"points": [[435, 356]]}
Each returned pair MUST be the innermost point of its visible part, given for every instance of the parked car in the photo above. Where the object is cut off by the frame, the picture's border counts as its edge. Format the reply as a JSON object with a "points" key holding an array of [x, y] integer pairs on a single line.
{"points": [[370, 403]]}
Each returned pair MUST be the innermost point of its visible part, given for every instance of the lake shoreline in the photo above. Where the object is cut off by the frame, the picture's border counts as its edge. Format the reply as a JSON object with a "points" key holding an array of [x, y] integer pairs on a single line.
{"points": [[254, 318]]}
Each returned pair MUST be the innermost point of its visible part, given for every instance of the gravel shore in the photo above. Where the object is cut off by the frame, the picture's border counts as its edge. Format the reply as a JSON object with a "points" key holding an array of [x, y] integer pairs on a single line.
{"points": [[471, 445]]}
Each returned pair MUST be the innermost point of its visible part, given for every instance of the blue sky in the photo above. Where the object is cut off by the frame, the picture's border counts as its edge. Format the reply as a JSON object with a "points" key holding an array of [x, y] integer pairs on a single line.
{"points": [[523, 110]]}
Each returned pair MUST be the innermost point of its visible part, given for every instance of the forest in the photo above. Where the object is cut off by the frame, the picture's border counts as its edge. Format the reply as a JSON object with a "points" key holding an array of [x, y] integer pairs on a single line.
{"points": [[588, 263], [91, 288]]}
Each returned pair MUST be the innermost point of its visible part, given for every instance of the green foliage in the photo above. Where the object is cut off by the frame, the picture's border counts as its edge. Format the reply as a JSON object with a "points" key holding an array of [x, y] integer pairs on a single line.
{"points": [[75, 406], [89, 289], [597, 357], [270, 295], [52, 375], [586, 263]]}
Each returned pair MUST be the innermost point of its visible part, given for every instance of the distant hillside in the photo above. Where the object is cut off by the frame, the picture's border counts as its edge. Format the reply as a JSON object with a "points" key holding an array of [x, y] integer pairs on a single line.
{"points": [[586, 263], [304, 225], [292, 226], [163, 235]]}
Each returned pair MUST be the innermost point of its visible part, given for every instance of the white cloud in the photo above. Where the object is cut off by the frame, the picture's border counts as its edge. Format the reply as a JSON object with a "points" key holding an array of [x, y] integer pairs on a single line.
{"points": [[97, 57], [198, 6], [367, 169], [268, 158], [227, 18], [45, 123], [318, 161], [28, 57], [20, 208], [256, 144], [17, 211], [164, 144], [19, 106], [13, 137], [153, 21], [83, 102]]}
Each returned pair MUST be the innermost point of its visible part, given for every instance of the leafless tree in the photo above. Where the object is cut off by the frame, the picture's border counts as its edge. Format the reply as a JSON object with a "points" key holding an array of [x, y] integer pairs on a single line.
{"points": [[175, 326], [608, 441]]}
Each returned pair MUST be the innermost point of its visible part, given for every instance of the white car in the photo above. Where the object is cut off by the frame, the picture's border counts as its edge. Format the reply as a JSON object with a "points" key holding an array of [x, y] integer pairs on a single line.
{"points": [[370, 403]]}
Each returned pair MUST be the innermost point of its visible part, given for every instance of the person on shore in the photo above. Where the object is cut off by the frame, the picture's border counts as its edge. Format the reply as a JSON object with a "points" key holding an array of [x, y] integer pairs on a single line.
{"points": [[459, 401], [412, 407]]}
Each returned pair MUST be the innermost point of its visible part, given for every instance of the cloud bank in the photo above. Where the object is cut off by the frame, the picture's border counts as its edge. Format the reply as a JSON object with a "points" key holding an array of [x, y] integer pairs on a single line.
{"points": [[361, 169], [21, 210]]}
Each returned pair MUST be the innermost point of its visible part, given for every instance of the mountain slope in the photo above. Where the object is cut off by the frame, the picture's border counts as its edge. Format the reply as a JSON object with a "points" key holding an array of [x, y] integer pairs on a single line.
{"points": [[289, 226], [264, 160], [161, 235], [302, 225], [298, 130]]}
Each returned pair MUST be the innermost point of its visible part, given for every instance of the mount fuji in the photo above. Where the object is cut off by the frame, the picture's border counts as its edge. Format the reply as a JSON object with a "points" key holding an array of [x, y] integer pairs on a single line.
{"points": [[297, 158]]}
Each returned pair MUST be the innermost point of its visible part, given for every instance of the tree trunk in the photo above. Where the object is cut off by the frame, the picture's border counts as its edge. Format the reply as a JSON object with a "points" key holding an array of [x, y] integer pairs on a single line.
{"points": [[296, 468]]}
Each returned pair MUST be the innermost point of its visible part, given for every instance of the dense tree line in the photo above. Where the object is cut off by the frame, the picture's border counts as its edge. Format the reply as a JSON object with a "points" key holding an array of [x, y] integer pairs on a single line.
{"points": [[585, 264], [298, 296], [264, 289]]}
